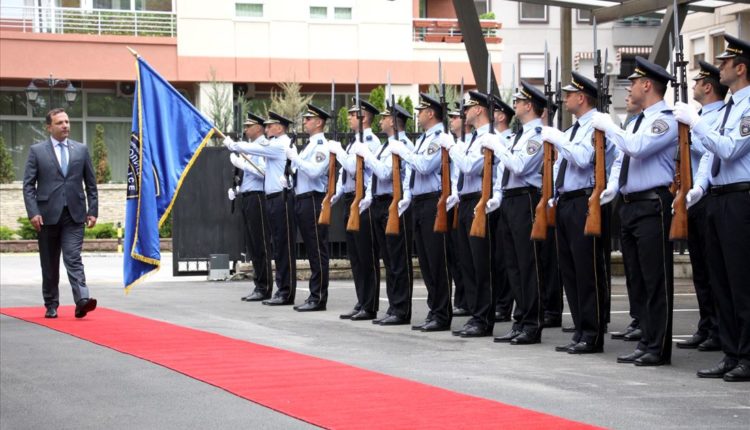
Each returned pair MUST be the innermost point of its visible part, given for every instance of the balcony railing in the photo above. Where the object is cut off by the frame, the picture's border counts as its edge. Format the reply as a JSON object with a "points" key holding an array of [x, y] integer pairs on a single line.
{"points": [[60, 20], [448, 30]]}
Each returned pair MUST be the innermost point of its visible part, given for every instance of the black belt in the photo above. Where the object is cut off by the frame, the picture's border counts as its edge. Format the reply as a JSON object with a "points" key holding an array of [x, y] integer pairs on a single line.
{"points": [[349, 195], [736, 187], [309, 194], [652, 194], [470, 196], [250, 193], [382, 197], [575, 194], [426, 196], [274, 195], [513, 192]]}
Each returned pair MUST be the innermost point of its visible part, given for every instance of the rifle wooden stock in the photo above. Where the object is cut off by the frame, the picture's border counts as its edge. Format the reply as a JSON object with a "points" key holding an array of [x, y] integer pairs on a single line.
{"points": [[441, 219], [593, 225], [455, 216], [679, 228], [325, 212], [359, 191], [392, 225], [552, 210], [479, 224], [539, 229]]}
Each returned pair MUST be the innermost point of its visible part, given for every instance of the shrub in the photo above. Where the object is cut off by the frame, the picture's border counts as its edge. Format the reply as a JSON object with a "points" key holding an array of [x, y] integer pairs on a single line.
{"points": [[166, 228], [7, 175], [100, 161], [26, 231], [6, 233], [104, 230]]}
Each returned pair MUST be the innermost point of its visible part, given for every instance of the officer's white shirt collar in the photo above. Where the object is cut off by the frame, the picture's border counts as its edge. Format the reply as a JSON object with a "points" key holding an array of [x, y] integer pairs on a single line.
{"points": [[585, 118], [483, 129], [317, 136], [537, 122], [655, 108], [56, 142], [712, 106], [434, 129], [741, 95]]}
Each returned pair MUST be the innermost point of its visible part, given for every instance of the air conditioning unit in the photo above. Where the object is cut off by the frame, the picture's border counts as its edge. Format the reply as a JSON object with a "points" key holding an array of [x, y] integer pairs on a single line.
{"points": [[125, 89]]}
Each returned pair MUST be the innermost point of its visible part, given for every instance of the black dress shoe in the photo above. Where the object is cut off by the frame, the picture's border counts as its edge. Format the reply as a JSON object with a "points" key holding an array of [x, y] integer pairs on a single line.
{"points": [[527, 338], [507, 337], [741, 373], [255, 296], [394, 320], [84, 306], [719, 370], [349, 315], [630, 358], [502, 317], [621, 334], [435, 326], [460, 312], [310, 307], [51, 313], [419, 326], [565, 348], [633, 336], [569, 329], [585, 348], [649, 359], [277, 301], [552, 321], [692, 342], [475, 331], [363, 316], [710, 344], [377, 321], [461, 330]]}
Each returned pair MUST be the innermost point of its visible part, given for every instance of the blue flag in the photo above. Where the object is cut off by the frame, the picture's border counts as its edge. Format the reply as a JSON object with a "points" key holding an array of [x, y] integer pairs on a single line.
{"points": [[168, 135]]}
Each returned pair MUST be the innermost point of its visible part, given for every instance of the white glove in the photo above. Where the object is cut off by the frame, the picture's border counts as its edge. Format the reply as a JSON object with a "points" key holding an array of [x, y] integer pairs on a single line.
{"points": [[334, 147], [452, 200], [285, 182], [694, 195], [552, 202], [447, 143], [602, 121], [553, 135], [403, 205], [361, 149], [291, 153], [334, 198], [230, 144], [398, 147], [492, 142], [365, 203], [494, 202], [607, 196], [686, 114], [231, 194], [235, 160]]}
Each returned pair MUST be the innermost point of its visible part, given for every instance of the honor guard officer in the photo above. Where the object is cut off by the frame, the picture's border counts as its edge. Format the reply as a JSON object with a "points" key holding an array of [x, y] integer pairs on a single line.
{"points": [[581, 258], [646, 168], [424, 193], [521, 182], [501, 290], [257, 228], [280, 205], [474, 256], [395, 250], [724, 174], [710, 94], [360, 245], [310, 182], [460, 308]]}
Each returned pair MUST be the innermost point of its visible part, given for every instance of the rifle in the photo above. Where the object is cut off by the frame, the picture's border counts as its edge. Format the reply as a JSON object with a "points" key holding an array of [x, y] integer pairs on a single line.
{"points": [[683, 173], [359, 177], [552, 210], [479, 224], [539, 229], [593, 226], [441, 218], [462, 115], [325, 212], [236, 174], [392, 225]]}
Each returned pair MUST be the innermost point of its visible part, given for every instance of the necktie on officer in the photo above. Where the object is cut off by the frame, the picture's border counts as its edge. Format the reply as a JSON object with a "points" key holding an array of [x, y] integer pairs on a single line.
{"points": [[623, 179], [560, 181], [460, 184], [716, 164], [411, 177], [348, 147], [375, 178], [506, 172]]}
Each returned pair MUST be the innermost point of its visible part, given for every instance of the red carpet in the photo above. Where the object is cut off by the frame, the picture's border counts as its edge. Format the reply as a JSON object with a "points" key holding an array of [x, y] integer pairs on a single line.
{"points": [[322, 392]]}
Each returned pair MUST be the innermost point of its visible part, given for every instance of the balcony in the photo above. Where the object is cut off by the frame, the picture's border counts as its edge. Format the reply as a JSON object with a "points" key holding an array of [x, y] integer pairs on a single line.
{"points": [[448, 31], [60, 20]]}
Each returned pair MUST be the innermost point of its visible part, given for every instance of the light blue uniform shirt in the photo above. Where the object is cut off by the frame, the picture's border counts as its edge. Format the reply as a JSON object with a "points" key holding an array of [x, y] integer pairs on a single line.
{"points": [[312, 166], [274, 152], [733, 147], [711, 113], [507, 140], [424, 162], [524, 160], [469, 158], [253, 179], [382, 166], [651, 149], [349, 163]]}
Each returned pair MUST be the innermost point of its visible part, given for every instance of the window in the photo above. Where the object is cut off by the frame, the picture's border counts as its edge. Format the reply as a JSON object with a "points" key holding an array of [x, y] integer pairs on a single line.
{"points": [[318, 12], [112, 4], [627, 66], [717, 44], [528, 12], [532, 68], [583, 16], [248, 10], [698, 51], [483, 6], [155, 5], [342, 13]]}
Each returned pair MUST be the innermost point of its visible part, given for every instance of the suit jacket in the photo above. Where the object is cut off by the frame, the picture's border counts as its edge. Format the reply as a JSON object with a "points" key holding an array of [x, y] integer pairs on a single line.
{"points": [[46, 190]]}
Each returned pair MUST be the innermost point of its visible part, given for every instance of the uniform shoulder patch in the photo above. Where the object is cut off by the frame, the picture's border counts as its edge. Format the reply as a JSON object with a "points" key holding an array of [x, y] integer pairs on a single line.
{"points": [[368, 138], [320, 141], [320, 157], [403, 141], [532, 147], [745, 126], [265, 142], [668, 111], [433, 148], [659, 127], [437, 133]]}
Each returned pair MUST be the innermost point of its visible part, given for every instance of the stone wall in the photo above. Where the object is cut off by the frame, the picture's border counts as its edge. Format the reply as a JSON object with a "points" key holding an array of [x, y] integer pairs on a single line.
{"points": [[111, 203]]}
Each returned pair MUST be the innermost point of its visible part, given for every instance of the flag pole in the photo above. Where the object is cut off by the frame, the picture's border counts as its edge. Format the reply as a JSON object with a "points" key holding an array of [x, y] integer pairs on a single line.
{"points": [[132, 51]]}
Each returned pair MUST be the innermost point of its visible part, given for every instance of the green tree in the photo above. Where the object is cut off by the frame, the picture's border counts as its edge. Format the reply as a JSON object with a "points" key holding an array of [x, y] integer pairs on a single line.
{"points": [[377, 99], [406, 103], [342, 119], [100, 157], [290, 103], [7, 174]]}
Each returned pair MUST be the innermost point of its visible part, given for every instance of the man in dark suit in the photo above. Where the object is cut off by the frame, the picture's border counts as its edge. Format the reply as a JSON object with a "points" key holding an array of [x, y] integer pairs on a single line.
{"points": [[56, 207]]}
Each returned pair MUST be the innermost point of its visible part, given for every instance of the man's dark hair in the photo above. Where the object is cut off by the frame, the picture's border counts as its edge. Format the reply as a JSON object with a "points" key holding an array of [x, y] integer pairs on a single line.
{"points": [[538, 109], [400, 123], [743, 60], [659, 87], [716, 87], [591, 101], [51, 113], [437, 113]]}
